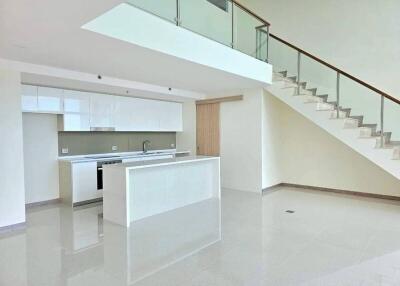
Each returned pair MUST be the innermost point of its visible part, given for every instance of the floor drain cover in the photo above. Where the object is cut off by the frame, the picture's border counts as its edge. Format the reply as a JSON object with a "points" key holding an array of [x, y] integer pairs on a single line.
{"points": [[290, 211]]}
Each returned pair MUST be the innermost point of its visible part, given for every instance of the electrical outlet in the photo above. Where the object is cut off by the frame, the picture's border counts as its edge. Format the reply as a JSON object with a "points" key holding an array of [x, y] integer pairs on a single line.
{"points": [[114, 148], [64, 151], [173, 145]]}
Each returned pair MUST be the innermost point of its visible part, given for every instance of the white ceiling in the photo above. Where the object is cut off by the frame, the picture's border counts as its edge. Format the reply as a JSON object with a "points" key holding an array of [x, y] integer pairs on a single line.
{"points": [[48, 32]]}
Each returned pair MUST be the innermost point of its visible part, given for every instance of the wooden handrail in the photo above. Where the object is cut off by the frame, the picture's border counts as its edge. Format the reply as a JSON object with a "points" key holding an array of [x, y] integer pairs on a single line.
{"points": [[363, 83], [250, 12]]}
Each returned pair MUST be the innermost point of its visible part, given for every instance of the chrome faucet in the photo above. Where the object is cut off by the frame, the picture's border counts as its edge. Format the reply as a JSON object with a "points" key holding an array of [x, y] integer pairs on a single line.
{"points": [[145, 146]]}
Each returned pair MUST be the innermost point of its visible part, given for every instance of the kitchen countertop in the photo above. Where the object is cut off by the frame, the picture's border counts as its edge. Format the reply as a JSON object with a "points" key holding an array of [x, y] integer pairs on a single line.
{"points": [[118, 156], [161, 162]]}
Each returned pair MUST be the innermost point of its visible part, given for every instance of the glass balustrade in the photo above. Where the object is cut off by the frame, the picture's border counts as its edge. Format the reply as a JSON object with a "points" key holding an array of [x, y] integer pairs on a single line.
{"points": [[166, 9], [361, 100], [282, 57], [223, 21], [391, 119], [208, 19], [318, 76], [245, 31], [262, 43]]}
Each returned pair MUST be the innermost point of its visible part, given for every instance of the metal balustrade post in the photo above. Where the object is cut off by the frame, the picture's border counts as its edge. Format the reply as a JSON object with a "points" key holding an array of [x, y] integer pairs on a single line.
{"points": [[258, 43], [382, 120], [178, 13], [233, 25], [337, 95], [267, 56], [298, 71]]}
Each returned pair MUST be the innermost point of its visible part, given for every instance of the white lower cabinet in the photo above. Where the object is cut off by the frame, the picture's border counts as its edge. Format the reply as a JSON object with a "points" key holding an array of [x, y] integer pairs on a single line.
{"points": [[84, 182], [78, 180]]}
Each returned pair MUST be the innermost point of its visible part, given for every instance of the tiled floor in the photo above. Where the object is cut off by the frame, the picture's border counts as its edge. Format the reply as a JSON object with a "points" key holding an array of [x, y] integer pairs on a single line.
{"points": [[250, 240]]}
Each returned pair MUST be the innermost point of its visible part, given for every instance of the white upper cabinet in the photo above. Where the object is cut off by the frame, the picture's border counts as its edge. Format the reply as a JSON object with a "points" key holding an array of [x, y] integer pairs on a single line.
{"points": [[76, 111], [170, 115], [101, 111], [76, 101], [74, 122], [29, 98], [50, 100], [124, 108], [136, 114], [85, 111], [144, 116]]}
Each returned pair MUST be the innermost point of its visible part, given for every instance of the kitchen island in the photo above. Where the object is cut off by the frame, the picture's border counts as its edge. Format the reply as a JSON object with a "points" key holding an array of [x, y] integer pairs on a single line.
{"points": [[81, 177], [136, 190]]}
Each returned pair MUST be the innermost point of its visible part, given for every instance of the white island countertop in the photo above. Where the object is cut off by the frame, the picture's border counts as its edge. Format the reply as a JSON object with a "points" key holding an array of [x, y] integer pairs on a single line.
{"points": [[161, 162]]}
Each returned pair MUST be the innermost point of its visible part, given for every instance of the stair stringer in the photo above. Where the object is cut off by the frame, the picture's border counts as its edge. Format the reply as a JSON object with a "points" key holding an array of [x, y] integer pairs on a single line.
{"points": [[350, 136]]}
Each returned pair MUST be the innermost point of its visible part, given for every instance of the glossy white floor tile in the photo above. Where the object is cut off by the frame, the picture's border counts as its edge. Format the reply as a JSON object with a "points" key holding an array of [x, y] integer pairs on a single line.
{"points": [[245, 239]]}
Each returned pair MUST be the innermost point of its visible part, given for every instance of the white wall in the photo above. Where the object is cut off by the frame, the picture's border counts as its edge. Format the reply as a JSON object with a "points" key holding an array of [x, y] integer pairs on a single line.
{"points": [[272, 150], [40, 157], [186, 140], [240, 135], [12, 193]]}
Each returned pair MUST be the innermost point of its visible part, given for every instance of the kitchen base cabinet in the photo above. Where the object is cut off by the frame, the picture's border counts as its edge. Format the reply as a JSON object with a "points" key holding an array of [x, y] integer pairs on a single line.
{"points": [[78, 182]]}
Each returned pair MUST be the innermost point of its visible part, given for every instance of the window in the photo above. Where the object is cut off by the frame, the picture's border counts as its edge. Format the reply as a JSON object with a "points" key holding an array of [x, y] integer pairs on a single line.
{"points": [[222, 4]]}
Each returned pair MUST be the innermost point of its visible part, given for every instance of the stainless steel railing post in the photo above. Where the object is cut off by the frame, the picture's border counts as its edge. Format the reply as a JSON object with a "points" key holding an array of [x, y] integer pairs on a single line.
{"points": [[382, 120], [298, 71], [267, 56], [233, 25], [337, 95], [178, 13]]}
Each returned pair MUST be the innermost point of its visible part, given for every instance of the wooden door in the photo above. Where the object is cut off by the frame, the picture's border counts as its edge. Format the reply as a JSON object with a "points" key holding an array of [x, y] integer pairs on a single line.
{"points": [[207, 130]]}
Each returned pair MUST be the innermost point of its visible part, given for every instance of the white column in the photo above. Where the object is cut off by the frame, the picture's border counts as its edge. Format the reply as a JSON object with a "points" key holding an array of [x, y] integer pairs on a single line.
{"points": [[12, 191]]}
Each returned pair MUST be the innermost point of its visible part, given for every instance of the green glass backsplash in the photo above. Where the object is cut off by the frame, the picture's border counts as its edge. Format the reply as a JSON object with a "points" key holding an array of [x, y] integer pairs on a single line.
{"points": [[82, 143]]}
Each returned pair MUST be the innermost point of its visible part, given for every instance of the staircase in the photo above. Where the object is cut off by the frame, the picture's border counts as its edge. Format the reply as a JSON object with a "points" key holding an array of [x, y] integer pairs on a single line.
{"points": [[342, 123]]}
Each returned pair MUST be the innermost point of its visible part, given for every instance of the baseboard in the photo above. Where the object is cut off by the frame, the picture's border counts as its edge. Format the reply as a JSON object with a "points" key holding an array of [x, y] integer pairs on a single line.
{"points": [[87, 202], [12, 228], [271, 189], [43, 203], [330, 190]]}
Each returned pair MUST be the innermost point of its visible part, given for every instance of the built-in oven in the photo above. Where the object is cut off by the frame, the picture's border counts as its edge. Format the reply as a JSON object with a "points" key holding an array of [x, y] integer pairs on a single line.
{"points": [[100, 165]]}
